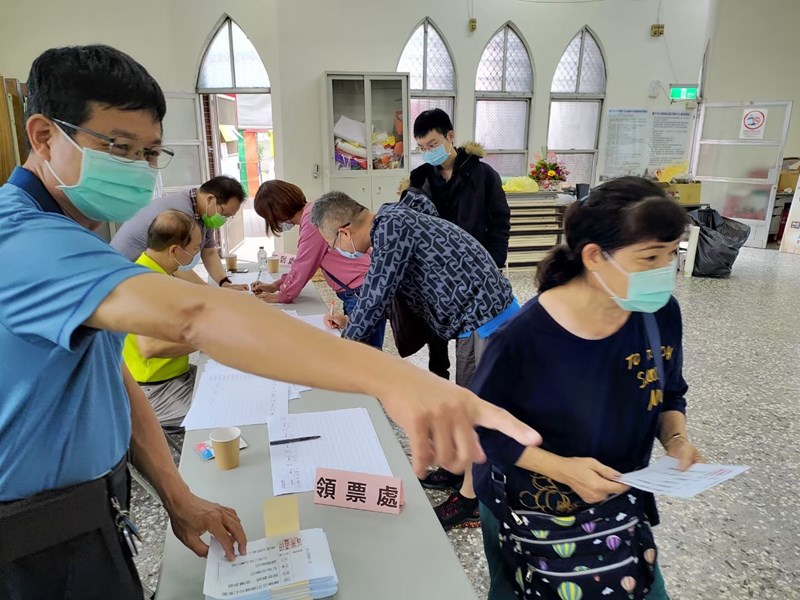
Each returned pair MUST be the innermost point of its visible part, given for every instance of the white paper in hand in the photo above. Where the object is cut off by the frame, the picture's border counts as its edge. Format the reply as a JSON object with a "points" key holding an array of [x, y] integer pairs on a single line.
{"points": [[664, 477]]}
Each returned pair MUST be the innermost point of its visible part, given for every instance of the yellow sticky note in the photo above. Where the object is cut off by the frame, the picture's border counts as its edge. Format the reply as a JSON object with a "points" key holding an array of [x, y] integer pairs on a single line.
{"points": [[281, 516]]}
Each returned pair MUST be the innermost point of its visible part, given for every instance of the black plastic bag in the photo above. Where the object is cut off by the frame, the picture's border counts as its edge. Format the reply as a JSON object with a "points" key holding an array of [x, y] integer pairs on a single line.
{"points": [[719, 243]]}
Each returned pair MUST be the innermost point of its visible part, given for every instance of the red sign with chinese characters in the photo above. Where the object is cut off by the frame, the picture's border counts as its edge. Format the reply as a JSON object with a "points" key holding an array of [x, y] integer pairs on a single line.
{"points": [[363, 491]]}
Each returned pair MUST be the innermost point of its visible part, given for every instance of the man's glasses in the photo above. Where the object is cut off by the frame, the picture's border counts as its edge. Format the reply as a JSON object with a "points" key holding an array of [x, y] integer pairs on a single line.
{"points": [[125, 149], [332, 245]]}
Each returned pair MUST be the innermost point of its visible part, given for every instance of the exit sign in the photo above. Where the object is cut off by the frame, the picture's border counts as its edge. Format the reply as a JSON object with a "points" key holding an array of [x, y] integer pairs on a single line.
{"points": [[683, 92]]}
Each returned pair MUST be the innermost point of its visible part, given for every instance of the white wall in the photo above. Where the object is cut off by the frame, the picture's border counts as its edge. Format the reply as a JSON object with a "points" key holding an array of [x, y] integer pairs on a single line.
{"points": [[755, 48], [300, 39]]}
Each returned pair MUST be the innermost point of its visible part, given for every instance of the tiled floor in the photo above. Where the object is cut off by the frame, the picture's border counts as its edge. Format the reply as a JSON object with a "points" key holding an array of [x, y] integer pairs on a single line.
{"points": [[742, 346]]}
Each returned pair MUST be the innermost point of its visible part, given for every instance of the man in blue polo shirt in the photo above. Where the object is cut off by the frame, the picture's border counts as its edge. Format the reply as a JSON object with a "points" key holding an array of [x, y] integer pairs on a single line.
{"points": [[70, 412]]}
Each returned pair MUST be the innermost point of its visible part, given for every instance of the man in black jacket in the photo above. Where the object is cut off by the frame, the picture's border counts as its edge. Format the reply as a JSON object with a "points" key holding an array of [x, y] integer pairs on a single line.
{"points": [[467, 192]]}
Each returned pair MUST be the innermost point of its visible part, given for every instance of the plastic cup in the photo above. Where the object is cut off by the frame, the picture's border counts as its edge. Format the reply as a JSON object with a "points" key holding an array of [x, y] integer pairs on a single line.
{"points": [[232, 262], [273, 262]]}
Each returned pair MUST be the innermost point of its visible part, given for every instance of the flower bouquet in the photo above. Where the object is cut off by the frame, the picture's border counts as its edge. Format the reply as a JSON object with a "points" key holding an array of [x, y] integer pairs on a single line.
{"points": [[547, 171]]}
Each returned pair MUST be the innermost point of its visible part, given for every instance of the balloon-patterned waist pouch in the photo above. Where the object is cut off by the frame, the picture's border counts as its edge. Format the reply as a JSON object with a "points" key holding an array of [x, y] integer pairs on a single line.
{"points": [[605, 552]]}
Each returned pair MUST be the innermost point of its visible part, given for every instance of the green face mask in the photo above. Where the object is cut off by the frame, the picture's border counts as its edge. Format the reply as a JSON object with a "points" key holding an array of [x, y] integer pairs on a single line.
{"points": [[215, 221]]}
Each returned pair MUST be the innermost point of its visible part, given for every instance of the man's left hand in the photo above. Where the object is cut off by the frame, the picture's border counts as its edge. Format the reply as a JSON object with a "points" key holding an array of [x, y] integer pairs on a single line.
{"points": [[192, 516], [685, 452], [236, 286], [272, 298]]}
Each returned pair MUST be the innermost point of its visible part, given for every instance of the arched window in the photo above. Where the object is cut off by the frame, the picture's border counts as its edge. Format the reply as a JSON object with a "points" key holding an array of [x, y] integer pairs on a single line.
{"points": [[432, 75], [231, 62], [503, 92], [576, 105]]}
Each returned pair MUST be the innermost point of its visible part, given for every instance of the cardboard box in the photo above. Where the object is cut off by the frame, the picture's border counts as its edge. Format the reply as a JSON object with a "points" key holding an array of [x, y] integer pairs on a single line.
{"points": [[788, 179], [685, 193]]}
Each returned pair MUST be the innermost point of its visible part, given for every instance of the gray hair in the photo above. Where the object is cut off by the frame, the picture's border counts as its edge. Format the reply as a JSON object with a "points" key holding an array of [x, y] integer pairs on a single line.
{"points": [[333, 210]]}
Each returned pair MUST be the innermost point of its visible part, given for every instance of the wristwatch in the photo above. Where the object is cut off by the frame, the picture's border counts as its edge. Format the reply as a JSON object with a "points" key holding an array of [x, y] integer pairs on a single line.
{"points": [[225, 280]]}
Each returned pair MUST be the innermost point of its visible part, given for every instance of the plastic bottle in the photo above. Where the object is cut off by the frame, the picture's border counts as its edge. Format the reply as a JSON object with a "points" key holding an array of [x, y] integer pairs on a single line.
{"points": [[262, 258]]}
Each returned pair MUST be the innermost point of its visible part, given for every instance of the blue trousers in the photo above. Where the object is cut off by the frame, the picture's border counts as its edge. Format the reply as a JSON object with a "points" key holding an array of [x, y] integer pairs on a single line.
{"points": [[502, 585], [349, 300]]}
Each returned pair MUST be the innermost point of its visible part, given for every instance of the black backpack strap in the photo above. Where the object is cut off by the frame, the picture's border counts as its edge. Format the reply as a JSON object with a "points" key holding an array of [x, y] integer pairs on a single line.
{"points": [[338, 282]]}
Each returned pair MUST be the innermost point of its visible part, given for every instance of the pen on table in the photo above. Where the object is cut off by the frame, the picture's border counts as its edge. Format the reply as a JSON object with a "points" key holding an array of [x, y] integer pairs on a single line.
{"points": [[298, 439]]}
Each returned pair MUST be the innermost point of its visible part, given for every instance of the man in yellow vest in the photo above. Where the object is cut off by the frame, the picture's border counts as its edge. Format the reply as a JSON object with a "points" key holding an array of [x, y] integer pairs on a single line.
{"points": [[162, 368]]}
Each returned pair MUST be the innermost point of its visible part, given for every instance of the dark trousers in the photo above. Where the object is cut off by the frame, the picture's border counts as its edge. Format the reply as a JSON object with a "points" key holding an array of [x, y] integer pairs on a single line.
{"points": [[63, 544], [438, 358]]}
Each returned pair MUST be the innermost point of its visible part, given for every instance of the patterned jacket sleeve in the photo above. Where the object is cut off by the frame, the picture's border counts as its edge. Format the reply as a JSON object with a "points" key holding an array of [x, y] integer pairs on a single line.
{"points": [[392, 246]]}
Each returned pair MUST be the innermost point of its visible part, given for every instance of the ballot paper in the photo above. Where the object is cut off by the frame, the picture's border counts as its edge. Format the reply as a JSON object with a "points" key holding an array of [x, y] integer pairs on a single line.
{"points": [[347, 442], [225, 397], [664, 477], [298, 565]]}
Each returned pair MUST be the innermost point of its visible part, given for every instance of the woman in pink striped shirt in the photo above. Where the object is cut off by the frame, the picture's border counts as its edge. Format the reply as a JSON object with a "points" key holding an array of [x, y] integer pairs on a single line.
{"points": [[283, 205]]}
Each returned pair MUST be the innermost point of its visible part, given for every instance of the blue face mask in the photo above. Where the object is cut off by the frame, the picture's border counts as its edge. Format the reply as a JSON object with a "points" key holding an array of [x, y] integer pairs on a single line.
{"points": [[352, 255], [648, 291], [437, 156], [108, 189], [192, 264]]}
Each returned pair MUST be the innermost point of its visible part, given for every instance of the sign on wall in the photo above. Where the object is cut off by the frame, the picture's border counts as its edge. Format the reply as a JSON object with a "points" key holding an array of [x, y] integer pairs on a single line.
{"points": [[754, 121], [639, 140]]}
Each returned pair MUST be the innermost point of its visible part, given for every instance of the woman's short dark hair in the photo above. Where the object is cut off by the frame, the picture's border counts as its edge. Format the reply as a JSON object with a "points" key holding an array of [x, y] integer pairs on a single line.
{"points": [[619, 213], [278, 201], [64, 82]]}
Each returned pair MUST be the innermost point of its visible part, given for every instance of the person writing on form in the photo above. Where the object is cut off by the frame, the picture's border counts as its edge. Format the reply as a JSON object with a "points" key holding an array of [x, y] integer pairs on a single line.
{"points": [[283, 206]]}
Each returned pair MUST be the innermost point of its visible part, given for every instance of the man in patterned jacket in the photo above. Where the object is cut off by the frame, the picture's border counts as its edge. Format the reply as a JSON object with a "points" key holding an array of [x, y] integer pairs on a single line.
{"points": [[443, 273]]}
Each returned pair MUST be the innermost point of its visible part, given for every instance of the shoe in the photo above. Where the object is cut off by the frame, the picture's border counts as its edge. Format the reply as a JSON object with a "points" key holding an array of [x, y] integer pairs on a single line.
{"points": [[458, 511], [442, 479]]}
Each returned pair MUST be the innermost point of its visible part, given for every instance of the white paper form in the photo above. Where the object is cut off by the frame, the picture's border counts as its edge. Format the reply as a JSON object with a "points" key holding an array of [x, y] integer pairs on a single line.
{"points": [[269, 565], [664, 477], [226, 397], [251, 277], [318, 322], [213, 366], [348, 442]]}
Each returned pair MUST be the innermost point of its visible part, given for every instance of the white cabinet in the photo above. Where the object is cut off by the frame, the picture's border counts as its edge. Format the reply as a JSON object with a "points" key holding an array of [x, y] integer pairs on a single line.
{"points": [[365, 119]]}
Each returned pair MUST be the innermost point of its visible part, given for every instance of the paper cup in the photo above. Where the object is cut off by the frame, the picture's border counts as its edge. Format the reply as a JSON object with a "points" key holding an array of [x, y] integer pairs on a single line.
{"points": [[232, 262], [273, 262], [225, 442]]}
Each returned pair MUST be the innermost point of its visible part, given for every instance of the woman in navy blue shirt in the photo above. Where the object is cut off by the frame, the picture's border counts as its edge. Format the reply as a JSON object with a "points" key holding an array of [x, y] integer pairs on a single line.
{"points": [[577, 362]]}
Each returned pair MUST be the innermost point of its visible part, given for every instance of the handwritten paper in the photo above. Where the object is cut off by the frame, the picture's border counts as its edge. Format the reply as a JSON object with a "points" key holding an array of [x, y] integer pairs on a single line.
{"points": [[251, 277], [664, 477], [213, 366], [296, 565], [348, 442], [225, 397]]}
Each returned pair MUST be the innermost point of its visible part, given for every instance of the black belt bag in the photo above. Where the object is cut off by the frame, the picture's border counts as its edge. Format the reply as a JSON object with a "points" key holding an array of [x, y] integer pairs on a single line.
{"points": [[53, 517], [603, 550]]}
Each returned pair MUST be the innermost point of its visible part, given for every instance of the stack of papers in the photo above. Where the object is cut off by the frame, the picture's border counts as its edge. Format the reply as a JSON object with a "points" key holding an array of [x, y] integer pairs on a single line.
{"points": [[282, 568], [347, 442]]}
